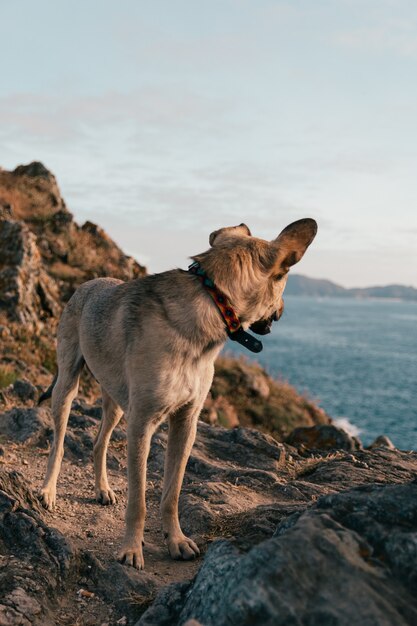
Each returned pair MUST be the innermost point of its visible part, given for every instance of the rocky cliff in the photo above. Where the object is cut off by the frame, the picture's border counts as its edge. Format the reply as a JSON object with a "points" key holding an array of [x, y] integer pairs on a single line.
{"points": [[44, 253], [298, 524]]}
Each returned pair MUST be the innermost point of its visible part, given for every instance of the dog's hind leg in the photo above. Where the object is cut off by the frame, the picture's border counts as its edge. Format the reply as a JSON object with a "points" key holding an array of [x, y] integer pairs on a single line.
{"points": [[181, 436], [111, 417], [63, 394]]}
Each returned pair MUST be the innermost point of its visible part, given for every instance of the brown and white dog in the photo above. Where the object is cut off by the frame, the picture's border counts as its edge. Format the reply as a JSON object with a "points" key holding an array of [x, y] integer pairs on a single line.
{"points": [[151, 344]]}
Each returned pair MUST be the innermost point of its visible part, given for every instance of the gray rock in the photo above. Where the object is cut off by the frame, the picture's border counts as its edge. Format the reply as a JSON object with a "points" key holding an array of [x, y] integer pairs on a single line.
{"points": [[21, 424], [24, 390], [350, 559], [92, 410], [42, 566], [39, 558]]}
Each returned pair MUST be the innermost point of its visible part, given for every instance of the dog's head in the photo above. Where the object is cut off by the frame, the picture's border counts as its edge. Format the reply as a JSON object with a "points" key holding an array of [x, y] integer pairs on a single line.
{"points": [[253, 272]]}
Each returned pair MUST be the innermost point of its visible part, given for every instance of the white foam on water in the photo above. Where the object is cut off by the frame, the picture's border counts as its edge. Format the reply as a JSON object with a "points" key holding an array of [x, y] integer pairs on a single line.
{"points": [[346, 425]]}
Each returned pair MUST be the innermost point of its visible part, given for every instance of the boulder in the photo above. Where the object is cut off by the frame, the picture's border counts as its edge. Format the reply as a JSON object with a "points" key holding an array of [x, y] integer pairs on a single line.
{"points": [[23, 424], [322, 437], [24, 390], [350, 559]]}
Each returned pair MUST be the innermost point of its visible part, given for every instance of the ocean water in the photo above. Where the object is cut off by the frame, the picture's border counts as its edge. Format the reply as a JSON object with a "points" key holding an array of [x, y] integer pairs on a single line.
{"points": [[356, 358]]}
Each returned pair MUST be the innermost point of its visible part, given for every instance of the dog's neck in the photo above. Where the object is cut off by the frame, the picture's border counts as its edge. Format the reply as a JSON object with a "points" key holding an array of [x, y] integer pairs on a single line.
{"points": [[231, 320]]}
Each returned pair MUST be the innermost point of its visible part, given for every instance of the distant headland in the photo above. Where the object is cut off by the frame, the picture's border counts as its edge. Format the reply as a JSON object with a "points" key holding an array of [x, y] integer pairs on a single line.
{"points": [[299, 285]]}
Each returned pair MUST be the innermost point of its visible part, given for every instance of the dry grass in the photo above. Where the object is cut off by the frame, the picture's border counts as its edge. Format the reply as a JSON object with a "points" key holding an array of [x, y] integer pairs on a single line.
{"points": [[309, 465], [7, 376]]}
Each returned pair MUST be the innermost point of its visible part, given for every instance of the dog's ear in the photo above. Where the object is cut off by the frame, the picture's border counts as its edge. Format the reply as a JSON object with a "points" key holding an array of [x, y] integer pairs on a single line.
{"points": [[294, 241], [220, 235]]}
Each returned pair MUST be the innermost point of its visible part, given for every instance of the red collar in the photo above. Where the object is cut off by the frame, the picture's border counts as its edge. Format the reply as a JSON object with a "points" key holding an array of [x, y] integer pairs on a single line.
{"points": [[226, 310], [222, 302]]}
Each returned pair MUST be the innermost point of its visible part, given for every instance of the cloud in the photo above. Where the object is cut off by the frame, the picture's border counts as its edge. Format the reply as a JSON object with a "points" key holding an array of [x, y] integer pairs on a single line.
{"points": [[385, 27], [141, 113]]}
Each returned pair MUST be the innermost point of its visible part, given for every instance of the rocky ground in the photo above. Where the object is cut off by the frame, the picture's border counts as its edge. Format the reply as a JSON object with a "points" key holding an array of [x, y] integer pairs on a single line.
{"points": [[288, 535], [297, 523]]}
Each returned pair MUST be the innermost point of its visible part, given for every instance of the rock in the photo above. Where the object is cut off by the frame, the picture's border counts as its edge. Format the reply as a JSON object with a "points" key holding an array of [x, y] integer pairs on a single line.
{"points": [[79, 446], [94, 411], [33, 169], [23, 603], [109, 578], [42, 565], [24, 390], [10, 617], [27, 293], [32, 580], [21, 424], [322, 437], [381, 442], [79, 421], [349, 559]]}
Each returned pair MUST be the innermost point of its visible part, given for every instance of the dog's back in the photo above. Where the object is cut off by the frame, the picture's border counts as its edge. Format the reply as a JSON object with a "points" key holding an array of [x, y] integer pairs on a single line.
{"points": [[107, 322]]}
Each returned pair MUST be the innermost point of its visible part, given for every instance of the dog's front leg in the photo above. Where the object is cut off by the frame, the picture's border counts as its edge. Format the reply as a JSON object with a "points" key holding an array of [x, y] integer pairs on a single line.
{"points": [[181, 436], [139, 433]]}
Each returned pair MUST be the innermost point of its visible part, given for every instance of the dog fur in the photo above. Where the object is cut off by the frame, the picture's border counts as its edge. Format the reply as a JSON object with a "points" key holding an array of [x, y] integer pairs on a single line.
{"points": [[151, 344]]}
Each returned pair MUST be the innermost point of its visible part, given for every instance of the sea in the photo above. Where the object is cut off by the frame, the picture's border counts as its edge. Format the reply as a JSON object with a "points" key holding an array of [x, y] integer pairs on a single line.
{"points": [[356, 358]]}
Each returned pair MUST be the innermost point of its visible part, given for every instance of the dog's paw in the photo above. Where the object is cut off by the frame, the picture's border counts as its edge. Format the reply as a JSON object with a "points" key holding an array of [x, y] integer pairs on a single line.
{"points": [[131, 555], [48, 498], [106, 496], [182, 548]]}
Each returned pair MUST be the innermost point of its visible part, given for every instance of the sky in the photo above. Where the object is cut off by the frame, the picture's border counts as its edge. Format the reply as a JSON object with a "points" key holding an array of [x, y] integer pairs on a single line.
{"points": [[167, 119]]}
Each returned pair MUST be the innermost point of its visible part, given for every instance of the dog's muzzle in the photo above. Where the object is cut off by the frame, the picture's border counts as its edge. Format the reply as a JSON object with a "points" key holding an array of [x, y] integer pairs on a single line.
{"points": [[263, 327]]}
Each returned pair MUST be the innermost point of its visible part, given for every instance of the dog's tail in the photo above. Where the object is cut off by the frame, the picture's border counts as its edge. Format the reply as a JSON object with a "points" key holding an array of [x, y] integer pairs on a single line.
{"points": [[48, 393]]}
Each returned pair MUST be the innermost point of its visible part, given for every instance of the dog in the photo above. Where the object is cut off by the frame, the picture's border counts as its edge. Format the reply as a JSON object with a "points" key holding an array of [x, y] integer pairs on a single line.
{"points": [[151, 344]]}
